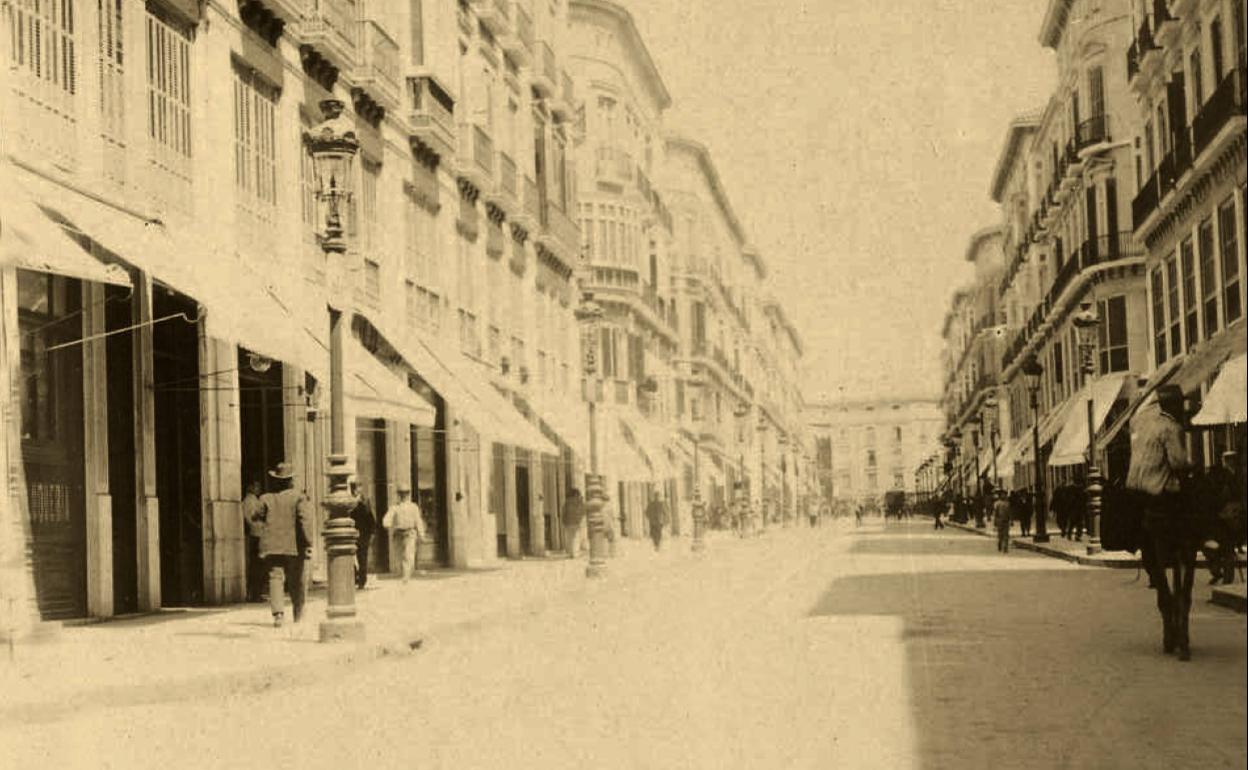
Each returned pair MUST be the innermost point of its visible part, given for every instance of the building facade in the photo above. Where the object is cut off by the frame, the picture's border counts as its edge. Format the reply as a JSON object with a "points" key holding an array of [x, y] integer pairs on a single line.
{"points": [[866, 447], [167, 297]]}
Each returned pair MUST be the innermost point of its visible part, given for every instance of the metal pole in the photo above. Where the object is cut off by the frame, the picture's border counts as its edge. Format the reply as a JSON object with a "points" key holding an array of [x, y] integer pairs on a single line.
{"points": [[1041, 515], [594, 501], [699, 508], [340, 533], [1094, 487], [979, 489]]}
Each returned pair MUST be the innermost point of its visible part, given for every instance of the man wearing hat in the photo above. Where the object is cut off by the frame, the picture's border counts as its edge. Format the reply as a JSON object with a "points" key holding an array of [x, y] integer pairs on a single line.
{"points": [[285, 541], [1158, 461], [1001, 520], [404, 520]]}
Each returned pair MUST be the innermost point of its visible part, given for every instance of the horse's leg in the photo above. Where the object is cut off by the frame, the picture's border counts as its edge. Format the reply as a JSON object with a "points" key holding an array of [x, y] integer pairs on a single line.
{"points": [[1185, 575], [1154, 565]]}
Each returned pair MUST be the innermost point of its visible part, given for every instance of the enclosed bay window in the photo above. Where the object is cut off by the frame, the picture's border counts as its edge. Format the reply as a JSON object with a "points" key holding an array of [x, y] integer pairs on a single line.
{"points": [[1172, 305], [1191, 301], [1112, 334], [1157, 294], [1208, 277], [1229, 235]]}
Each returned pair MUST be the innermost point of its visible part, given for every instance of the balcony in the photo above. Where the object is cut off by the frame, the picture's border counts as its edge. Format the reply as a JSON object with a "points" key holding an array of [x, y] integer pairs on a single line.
{"points": [[1133, 61], [431, 118], [613, 166], [378, 72], [475, 159], [1146, 46], [1164, 23], [531, 208], [517, 40], [482, 150], [562, 229], [431, 121], [545, 76], [1226, 103], [494, 15], [524, 30], [1091, 132], [1072, 163], [332, 28], [1145, 202], [563, 106], [1107, 248], [505, 183]]}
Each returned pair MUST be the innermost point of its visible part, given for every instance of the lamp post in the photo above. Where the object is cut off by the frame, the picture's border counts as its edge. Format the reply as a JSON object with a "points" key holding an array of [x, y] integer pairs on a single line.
{"points": [[1032, 370], [782, 442], [1087, 324], [333, 145], [762, 467], [740, 413], [979, 489], [699, 507], [589, 315], [955, 442]]}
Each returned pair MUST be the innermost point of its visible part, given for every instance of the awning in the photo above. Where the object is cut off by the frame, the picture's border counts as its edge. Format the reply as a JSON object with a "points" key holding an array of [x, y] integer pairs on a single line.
{"points": [[1050, 425], [622, 459], [494, 417], [373, 390], [1202, 361], [1139, 396], [240, 307], [31, 241], [568, 421], [652, 442], [1072, 443], [1227, 399], [1007, 455]]}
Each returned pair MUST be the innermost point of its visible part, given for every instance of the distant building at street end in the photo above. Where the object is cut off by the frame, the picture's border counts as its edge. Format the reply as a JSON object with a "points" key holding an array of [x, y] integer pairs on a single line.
{"points": [[866, 447]]}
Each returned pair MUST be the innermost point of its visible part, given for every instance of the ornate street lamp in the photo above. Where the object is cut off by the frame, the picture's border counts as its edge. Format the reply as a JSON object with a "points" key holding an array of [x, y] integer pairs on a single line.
{"points": [[333, 146], [1032, 370], [1087, 323], [589, 315], [741, 412], [762, 467]]}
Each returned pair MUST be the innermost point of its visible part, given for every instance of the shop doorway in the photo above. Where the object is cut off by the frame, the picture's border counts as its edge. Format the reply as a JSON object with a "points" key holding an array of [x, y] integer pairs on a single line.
{"points": [[552, 502], [370, 474], [50, 389], [428, 469], [122, 484], [261, 417], [175, 354], [523, 509]]}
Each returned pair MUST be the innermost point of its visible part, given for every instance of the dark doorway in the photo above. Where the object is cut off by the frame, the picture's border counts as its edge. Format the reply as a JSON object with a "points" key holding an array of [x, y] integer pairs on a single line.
{"points": [[370, 474], [522, 503], [428, 469], [50, 390], [551, 502], [119, 357], [261, 416], [175, 353]]}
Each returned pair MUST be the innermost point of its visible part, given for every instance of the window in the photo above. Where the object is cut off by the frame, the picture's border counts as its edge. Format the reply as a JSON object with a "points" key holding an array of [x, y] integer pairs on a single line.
{"points": [[1208, 276], [897, 433], [1191, 303], [372, 281], [1172, 304], [870, 458], [1150, 162], [42, 42], [1159, 316], [112, 71], [1059, 367], [1198, 78], [370, 174], [1113, 335], [1215, 48], [1230, 260], [1096, 91], [255, 161]]}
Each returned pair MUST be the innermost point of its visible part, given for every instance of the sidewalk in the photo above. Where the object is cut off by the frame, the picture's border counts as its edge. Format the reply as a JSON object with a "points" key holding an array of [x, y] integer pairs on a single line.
{"points": [[184, 653]]}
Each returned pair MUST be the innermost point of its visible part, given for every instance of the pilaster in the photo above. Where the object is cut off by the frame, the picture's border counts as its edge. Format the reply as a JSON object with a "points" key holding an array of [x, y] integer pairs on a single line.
{"points": [[99, 503], [537, 510], [511, 520], [221, 462], [147, 505]]}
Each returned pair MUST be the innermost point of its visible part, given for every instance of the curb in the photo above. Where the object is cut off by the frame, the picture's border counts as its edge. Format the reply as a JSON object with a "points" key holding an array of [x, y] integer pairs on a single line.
{"points": [[1230, 598], [1081, 559]]}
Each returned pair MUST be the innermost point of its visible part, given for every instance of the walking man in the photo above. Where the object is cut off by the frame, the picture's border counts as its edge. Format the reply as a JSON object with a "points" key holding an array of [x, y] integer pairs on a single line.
{"points": [[936, 512], [255, 567], [285, 541], [656, 515], [1001, 520], [365, 522], [404, 520], [1158, 462], [573, 515]]}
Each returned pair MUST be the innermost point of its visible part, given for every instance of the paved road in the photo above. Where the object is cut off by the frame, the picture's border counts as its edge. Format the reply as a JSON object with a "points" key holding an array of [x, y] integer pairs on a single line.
{"points": [[888, 647]]}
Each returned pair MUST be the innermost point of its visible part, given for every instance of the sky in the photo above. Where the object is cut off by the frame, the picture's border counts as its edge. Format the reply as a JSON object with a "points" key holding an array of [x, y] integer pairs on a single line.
{"points": [[856, 140]]}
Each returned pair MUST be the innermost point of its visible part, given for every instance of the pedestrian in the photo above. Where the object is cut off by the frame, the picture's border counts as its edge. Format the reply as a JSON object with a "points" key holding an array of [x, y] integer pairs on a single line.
{"points": [[573, 515], [365, 522], [255, 566], [285, 541], [858, 515], [936, 511], [407, 524], [656, 515], [1020, 509], [1001, 520], [1060, 507], [812, 514]]}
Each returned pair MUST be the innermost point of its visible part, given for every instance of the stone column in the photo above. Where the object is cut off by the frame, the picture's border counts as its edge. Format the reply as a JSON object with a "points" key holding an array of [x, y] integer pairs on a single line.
{"points": [[537, 510], [511, 519], [99, 502]]}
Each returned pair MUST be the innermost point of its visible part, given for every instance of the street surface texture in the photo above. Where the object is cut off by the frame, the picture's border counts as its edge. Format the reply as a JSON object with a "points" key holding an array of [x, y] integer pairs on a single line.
{"points": [[885, 646]]}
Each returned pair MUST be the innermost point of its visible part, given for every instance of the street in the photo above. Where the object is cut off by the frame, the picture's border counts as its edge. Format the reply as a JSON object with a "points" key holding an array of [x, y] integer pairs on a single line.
{"points": [[884, 646]]}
